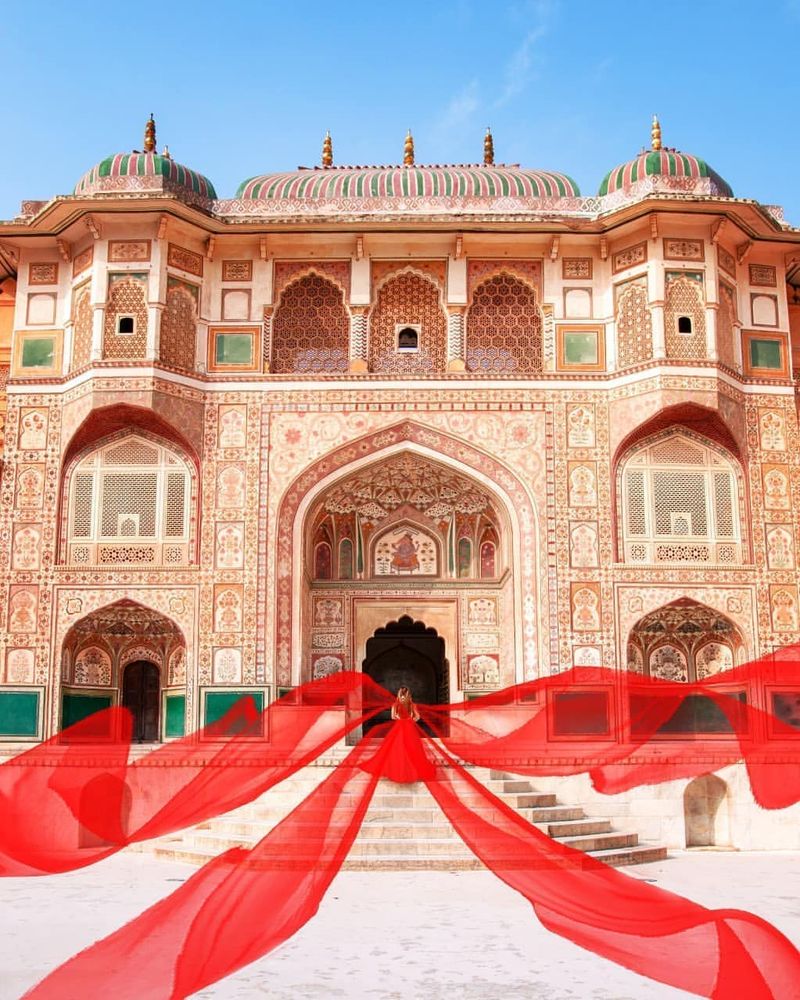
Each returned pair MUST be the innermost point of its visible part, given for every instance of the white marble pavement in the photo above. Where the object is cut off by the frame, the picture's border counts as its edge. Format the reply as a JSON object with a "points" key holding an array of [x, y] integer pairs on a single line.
{"points": [[388, 935]]}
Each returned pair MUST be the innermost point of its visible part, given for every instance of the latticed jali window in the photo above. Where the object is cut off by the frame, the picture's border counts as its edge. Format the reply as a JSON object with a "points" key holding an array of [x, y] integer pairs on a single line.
{"points": [[179, 325], [685, 317], [408, 300], [680, 504], [126, 297], [129, 503], [504, 327], [634, 324], [311, 328], [81, 327]]}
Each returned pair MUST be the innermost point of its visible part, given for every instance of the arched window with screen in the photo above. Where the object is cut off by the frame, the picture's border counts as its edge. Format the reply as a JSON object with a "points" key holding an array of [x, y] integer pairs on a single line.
{"points": [[680, 502], [128, 502]]}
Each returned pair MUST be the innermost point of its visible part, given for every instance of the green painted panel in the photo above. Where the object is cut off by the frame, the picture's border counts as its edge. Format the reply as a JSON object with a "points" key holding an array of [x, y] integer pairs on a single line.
{"points": [[580, 348], [175, 715], [765, 354], [234, 349], [19, 713], [75, 707], [217, 703], [38, 352]]}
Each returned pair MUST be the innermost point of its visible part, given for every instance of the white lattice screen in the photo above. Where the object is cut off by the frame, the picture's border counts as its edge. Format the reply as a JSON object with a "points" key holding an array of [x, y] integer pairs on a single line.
{"points": [[680, 505], [130, 492]]}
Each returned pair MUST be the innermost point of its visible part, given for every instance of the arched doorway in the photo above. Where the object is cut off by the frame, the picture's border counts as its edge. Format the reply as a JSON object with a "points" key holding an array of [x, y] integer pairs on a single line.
{"points": [[408, 653], [126, 654], [141, 692]]}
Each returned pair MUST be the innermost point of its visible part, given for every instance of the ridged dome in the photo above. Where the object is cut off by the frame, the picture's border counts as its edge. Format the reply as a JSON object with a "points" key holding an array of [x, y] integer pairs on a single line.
{"points": [[669, 169], [143, 171], [663, 163], [470, 181]]}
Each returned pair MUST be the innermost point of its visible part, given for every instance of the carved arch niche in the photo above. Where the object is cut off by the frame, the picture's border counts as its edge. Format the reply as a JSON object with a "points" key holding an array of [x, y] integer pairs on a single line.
{"points": [[504, 326], [406, 516], [408, 301], [310, 328]]}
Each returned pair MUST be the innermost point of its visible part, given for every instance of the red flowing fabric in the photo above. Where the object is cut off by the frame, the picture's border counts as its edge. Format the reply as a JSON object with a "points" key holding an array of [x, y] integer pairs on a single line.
{"points": [[237, 908], [71, 801], [243, 904], [724, 954]]}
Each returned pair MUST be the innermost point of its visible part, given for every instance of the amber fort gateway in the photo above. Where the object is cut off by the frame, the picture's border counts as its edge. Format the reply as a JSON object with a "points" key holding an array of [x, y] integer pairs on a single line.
{"points": [[460, 425]]}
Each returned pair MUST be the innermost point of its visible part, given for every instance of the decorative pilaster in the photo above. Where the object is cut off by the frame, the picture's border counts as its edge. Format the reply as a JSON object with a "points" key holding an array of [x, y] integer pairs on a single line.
{"points": [[358, 340], [711, 310], [456, 361], [659, 334], [153, 342], [98, 321], [266, 346]]}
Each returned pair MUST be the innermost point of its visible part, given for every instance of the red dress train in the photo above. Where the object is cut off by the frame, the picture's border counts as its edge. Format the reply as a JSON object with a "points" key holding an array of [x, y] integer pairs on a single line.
{"points": [[401, 756]]}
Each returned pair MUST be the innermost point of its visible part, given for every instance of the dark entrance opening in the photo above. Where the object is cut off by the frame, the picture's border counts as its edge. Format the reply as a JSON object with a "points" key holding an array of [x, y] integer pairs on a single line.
{"points": [[140, 695], [409, 653]]}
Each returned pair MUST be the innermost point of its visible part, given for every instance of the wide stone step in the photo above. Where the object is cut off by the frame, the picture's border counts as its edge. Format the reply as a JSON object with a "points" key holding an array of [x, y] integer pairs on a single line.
{"points": [[450, 847], [535, 800], [602, 841], [641, 855], [548, 814], [581, 827], [406, 831]]}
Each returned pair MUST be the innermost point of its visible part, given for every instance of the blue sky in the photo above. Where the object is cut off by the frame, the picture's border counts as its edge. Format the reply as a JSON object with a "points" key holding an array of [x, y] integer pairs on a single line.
{"points": [[250, 87]]}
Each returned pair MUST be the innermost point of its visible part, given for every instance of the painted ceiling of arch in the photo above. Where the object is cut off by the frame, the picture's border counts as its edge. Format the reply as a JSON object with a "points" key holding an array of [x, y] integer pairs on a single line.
{"points": [[407, 480], [126, 619]]}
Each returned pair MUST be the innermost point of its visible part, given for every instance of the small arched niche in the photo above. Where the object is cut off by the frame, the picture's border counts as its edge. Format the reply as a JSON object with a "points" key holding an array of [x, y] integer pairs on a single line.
{"points": [[705, 813]]}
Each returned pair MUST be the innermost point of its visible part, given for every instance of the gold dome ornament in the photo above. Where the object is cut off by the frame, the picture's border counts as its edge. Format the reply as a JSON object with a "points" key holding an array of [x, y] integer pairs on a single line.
{"points": [[488, 148], [408, 150], [655, 134], [327, 150], [150, 135]]}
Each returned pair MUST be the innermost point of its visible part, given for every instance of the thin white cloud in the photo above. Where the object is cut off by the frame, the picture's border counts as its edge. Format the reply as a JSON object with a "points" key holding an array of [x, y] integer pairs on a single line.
{"points": [[462, 107], [521, 68]]}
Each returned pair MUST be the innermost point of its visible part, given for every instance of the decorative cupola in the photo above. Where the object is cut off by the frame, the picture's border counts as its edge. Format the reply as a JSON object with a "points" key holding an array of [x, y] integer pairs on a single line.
{"points": [[408, 150], [150, 135], [146, 170], [327, 150], [488, 148], [664, 169]]}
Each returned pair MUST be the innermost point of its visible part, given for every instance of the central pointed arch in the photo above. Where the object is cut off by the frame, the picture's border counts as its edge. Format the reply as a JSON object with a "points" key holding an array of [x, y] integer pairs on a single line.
{"points": [[408, 436]]}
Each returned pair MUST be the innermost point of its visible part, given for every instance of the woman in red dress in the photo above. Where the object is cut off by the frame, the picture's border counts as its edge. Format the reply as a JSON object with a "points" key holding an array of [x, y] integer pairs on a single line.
{"points": [[402, 756]]}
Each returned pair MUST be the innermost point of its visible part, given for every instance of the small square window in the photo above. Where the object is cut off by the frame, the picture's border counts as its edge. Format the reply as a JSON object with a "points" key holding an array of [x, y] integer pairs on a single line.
{"points": [[407, 338], [580, 348], [126, 326], [38, 352], [233, 349], [766, 353]]}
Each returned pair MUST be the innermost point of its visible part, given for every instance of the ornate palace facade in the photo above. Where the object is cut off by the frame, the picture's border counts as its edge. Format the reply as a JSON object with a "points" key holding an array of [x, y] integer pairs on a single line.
{"points": [[460, 411]]}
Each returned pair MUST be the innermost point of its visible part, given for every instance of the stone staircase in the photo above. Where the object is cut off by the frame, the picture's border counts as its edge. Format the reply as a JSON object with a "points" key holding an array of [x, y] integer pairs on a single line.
{"points": [[404, 828]]}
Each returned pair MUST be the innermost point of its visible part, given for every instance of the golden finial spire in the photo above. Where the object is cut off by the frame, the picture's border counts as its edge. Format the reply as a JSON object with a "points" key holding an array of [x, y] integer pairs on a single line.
{"points": [[150, 135], [655, 134], [408, 150], [488, 147], [327, 150]]}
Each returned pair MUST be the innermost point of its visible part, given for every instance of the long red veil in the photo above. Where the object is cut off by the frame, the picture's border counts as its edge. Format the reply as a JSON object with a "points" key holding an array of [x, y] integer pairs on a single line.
{"points": [[73, 800]]}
